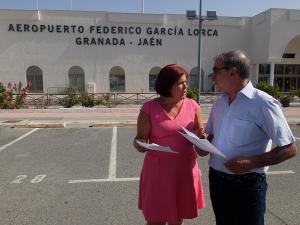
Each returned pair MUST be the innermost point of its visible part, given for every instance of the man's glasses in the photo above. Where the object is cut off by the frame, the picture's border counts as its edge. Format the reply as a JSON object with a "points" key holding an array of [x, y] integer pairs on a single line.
{"points": [[215, 69]]}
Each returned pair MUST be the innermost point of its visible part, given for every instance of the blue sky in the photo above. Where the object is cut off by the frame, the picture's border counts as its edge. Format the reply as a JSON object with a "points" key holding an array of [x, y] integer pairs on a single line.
{"points": [[223, 7]]}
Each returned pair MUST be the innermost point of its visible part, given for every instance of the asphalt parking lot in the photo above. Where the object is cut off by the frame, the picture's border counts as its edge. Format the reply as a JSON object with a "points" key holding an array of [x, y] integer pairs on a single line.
{"points": [[89, 176]]}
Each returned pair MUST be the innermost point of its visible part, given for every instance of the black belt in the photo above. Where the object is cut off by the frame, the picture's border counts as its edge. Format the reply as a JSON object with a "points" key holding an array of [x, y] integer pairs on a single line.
{"points": [[237, 177]]}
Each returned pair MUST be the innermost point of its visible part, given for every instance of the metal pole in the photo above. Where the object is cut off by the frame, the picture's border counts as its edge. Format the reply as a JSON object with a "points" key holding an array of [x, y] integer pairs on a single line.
{"points": [[142, 6], [37, 4], [199, 49], [71, 4]]}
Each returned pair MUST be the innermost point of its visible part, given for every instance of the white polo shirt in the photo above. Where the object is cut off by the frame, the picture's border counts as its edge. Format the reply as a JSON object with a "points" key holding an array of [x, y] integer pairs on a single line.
{"points": [[247, 126]]}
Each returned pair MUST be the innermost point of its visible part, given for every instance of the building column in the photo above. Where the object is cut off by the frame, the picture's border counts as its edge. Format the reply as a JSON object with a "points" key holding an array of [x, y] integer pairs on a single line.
{"points": [[256, 73], [271, 81]]}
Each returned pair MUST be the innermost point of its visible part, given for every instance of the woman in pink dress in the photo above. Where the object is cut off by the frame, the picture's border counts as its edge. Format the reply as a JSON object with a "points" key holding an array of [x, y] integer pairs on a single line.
{"points": [[170, 184]]}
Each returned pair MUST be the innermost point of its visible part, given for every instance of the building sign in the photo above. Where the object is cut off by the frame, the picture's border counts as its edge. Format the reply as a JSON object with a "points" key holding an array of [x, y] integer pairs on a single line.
{"points": [[113, 35]]}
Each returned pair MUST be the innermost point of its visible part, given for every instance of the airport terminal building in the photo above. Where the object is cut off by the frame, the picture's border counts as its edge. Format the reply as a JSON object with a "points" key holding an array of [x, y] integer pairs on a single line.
{"points": [[103, 52]]}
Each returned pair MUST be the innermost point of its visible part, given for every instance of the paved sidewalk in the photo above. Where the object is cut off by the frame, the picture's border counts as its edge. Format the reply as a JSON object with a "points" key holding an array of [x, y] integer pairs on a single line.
{"points": [[96, 117]]}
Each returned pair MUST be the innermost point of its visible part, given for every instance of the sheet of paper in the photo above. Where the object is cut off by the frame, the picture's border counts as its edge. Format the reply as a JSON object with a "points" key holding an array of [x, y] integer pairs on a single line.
{"points": [[203, 144], [156, 147]]}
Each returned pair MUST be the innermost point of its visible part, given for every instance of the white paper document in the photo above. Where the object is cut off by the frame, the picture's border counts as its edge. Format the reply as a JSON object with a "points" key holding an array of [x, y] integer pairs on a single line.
{"points": [[156, 147], [203, 144]]}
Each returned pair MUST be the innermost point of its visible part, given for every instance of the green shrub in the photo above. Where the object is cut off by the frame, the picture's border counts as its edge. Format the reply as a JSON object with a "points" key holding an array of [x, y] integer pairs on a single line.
{"points": [[285, 100], [271, 90], [295, 93], [298, 92], [2, 88], [104, 100], [86, 99], [70, 99], [192, 93]]}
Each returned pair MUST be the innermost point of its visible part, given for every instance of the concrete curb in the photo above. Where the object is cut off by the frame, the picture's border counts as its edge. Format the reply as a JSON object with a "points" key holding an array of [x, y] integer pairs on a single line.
{"points": [[128, 123], [97, 124], [72, 110], [7, 125], [293, 121], [28, 124]]}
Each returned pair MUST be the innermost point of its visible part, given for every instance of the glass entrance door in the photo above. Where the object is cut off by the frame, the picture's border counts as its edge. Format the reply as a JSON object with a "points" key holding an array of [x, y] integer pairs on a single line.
{"points": [[287, 83], [279, 81]]}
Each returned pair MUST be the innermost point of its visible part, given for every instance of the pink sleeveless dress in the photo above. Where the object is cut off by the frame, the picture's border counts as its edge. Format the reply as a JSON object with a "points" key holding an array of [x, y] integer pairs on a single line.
{"points": [[170, 184]]}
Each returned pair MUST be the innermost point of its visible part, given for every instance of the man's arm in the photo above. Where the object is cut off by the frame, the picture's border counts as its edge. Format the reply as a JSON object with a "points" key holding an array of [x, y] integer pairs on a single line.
{"points": [[273, 122], [241, 164]]}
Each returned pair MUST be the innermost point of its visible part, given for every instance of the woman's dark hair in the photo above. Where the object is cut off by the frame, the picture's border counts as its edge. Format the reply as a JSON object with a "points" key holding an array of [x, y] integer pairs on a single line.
{"points": [[167, 77]]}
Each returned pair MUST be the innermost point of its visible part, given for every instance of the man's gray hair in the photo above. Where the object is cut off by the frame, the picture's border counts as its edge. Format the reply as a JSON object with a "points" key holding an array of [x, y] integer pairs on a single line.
{"points": [[237, 59]]}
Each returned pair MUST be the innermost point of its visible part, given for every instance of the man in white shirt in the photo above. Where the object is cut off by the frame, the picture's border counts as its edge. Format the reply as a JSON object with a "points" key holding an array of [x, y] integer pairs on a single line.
{"points": [[242, 124]]}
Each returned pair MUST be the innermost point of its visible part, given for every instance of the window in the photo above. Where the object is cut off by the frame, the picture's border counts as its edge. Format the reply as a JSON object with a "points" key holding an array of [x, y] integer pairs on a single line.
{"points": [[285, 69], [279, 69], [288, 55], [263, 79], [279, 81], [297, 69], [34, 78], [289, 69], [152, 77], [264, 69], [76, 78], [117, 79]]}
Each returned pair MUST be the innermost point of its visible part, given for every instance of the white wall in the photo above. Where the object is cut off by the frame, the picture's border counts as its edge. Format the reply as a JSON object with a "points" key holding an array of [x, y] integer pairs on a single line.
{"points": [[263, 37]]}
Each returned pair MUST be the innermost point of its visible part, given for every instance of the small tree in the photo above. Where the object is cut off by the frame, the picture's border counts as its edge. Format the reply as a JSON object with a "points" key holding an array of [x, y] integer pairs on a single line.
{"points": [[13, 96], [21, 94]]}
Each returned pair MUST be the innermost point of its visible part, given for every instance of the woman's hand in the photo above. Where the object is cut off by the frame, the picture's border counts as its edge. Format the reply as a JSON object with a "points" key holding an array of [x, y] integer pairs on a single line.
{"points": [[138, 147], [200, 152]]}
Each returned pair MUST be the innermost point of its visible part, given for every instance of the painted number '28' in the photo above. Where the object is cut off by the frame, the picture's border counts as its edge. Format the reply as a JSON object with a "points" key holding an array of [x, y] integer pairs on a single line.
{"points": [[19, 179]]}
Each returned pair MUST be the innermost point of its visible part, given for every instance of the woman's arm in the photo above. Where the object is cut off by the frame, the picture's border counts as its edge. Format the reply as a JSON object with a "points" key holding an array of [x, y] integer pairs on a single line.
{"points": [[199, 131], [199, 126], [143, 131]]}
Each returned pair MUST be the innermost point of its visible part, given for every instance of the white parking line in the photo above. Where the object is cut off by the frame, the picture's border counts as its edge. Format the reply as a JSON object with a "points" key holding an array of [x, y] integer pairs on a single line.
{"points": [[18, 139], [113, 155], [297, 138], [112, 166], [137, 178], [280, 172], [103, 180]]}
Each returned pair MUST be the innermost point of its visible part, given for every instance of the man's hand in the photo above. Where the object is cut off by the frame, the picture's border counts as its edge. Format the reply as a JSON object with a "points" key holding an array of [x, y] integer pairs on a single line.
{"points": [[239, 164], [277, 155], [200, 133]]}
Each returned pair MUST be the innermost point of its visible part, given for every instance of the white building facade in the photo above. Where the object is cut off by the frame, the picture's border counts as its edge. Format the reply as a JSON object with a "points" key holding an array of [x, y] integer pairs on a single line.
{"points": [[104, 52]]}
